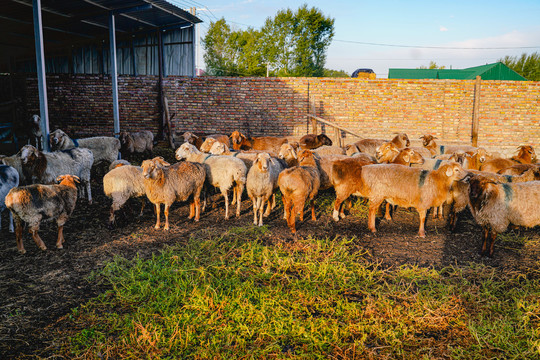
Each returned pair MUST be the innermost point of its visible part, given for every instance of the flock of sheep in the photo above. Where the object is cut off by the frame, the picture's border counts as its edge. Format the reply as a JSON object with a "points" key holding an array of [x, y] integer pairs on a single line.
{"points": [[498, 191]]}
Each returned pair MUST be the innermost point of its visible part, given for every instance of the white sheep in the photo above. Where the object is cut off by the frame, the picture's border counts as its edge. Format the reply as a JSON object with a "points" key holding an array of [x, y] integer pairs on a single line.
{"points": [[261, 183], [45, 167], [223, 172], [122, 183], [104, 148]]}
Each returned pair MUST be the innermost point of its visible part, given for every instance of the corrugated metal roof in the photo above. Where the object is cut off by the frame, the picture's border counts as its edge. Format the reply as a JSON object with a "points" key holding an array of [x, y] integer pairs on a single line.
{"points": [[495, 71], [72, 22]]}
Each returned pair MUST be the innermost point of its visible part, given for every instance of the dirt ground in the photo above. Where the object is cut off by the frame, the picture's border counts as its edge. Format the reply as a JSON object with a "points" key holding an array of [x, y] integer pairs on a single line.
{"points": [[40, 287]]}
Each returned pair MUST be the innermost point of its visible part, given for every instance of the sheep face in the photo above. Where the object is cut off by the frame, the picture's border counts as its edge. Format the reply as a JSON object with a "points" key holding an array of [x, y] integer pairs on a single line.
{"points": [[527, 151], [426, 139], [207, 144], [190, 137], [404, 139], [481, 154], [453, 171], [56, 137], [150, 169], [237, 138], [68, 180], [218, 148], [412, 157], [262, 161], [123, 137], [287, 152], [386, 152], [185, 150], [28, 154], [305, 157]]}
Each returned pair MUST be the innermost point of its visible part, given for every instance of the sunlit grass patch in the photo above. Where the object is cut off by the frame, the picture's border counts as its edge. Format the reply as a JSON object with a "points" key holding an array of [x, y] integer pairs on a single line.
{"points": [[229, 295]]}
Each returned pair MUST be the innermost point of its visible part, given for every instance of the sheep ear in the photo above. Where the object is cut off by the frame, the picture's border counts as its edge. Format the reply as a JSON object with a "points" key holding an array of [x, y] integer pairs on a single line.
{"points": [[449, 171], [294, 154], [60, 178], [407, 158], [76, 178]]}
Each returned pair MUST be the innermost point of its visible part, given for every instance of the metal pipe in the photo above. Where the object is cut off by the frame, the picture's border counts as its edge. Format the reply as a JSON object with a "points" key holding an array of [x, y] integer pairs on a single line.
{"points": [[114, 75]]}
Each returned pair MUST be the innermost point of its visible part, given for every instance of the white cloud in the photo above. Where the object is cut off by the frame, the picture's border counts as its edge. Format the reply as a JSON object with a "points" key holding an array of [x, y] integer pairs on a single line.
{"points": [[442, 28]]}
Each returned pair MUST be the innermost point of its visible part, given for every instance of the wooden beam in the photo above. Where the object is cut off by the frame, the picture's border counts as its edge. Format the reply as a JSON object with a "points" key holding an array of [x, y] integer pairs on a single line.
{"points": [[315, 118], [476, 110]]}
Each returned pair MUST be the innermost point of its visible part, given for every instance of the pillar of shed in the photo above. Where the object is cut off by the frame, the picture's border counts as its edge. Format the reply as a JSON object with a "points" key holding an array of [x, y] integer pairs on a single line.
{"points": [[41, 74], [114, 74]]}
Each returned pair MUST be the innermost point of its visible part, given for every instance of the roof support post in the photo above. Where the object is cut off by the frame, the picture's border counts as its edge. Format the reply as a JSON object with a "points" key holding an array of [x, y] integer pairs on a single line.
{"points": [[114, 74], [41, 74]]}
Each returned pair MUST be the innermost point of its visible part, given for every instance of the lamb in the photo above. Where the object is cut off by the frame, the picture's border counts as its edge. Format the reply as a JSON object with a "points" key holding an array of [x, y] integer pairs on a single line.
{"points": [[312, 141], [265, 143], [260, 185], [407, 187], [9, 178], [288, 153], [139, 142], [526, 155], [44, 167], [223, 172], [369, 146], [495, 206], [166, 184], [104, 148], [329, 150], [122, 183], [34, 203], [297, 185]]}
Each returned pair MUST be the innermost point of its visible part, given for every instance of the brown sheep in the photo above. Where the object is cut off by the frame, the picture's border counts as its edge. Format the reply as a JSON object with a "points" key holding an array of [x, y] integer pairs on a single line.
{"points": [[35, 203], [193, 139], [526, 155], [138, 142], [407, 187], [428, 141], [265, 143], [369, 146], [495, 206], [312, 141], [345, 179], [297, 185], [518, 169], [166, 184]]}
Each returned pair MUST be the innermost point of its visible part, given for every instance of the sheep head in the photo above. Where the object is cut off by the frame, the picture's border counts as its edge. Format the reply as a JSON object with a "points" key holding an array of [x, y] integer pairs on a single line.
{"points": [[68, 180], [190, 137], [324, 140], [262, 161], [237, 139], [218, 148], [412, 157], [29, 154], [426, 139], [287, 152], [207, 144], [306, 158], [386, 152], [185, 150]]}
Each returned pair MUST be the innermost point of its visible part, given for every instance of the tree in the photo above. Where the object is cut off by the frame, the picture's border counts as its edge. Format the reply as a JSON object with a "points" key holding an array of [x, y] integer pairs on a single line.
{"points": [[290, 44], [527, 66], [335, 73], [432, 65]]}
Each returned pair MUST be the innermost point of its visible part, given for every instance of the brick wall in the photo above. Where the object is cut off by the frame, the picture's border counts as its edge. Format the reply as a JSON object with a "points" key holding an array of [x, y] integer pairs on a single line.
{"points": [[509, 111]]}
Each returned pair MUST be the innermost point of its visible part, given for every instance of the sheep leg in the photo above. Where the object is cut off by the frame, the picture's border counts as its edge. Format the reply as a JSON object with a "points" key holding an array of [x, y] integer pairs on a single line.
{"points": [[158, 224], [10, 222], [197, 201], [255, 201], [387, 212], [299, 209], [270, 205], [338, 207], [60, 239], [19, 234], [261, 210], [226, 196], [143, 204], [313, 217], [421, 230], [373, 208], [166, 211], [239, 190], [273, 203], [37, 239], [291, 219], [89, 191], [492, 237], [191, 209]]}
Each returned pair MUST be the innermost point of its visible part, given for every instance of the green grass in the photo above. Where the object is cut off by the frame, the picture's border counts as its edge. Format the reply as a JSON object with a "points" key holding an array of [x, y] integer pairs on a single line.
{"points": [[231, 295]]}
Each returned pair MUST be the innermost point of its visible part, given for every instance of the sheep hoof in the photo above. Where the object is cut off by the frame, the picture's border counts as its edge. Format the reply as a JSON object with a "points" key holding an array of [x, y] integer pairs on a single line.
{"points": [[22, 252], [422, 235], [59, 247], [43, 248], [255, 223], [156, 227], [166, 228], [335, 215]]}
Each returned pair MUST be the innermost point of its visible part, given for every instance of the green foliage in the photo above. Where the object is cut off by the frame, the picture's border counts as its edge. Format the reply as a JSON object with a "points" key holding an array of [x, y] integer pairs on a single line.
{"points": [[233, 295], [527, 66], [336, 73], [290, 44], [432, 65]]}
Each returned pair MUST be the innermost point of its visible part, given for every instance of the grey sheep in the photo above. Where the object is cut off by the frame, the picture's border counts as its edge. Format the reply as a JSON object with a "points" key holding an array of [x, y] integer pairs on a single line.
{"points": [[9, 178], [104, 148], [138, 142], [44, 167]]}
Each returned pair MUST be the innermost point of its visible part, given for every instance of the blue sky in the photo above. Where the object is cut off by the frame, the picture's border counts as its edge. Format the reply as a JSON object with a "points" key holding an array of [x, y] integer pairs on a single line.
{"points": [[474, 28]]}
